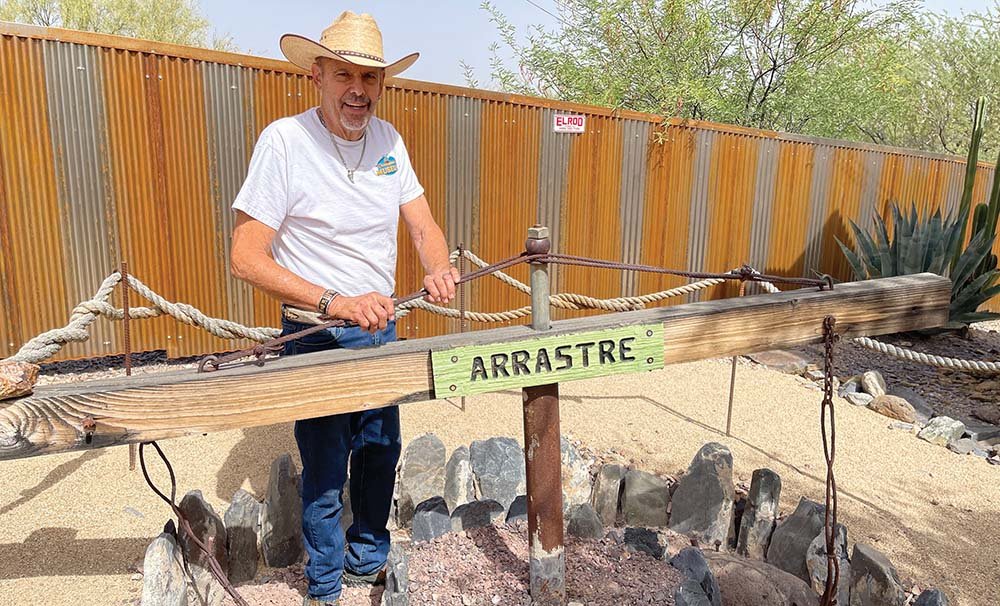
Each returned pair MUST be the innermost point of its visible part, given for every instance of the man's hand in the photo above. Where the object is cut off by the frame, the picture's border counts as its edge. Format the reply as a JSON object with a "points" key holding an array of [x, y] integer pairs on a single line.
{"points": [[440, 285], [370, 311]]}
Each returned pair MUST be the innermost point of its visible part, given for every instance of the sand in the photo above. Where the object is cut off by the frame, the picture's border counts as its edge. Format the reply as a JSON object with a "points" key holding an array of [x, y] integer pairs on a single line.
{"points": [[72, 526]]}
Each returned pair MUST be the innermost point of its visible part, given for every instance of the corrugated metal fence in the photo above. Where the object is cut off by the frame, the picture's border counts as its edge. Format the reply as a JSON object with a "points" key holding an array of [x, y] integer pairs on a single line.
{"points": [[112, 149]]}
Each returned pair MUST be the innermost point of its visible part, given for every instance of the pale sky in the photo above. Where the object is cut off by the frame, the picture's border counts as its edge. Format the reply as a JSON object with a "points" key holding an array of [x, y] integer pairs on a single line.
{"points": [[444, 32]]}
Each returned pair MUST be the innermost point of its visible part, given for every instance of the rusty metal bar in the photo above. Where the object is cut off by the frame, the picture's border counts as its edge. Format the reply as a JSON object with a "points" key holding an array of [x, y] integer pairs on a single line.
{"points": [[732, 377], [461, 298], [128, 346], [546, 556]]}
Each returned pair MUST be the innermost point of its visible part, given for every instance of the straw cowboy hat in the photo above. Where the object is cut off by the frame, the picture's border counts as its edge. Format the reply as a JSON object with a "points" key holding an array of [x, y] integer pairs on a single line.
{"points": [[352, 38]]}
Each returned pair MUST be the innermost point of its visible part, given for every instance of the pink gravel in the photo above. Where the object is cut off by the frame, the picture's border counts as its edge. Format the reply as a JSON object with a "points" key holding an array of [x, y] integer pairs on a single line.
{"points": [[488, 567]]}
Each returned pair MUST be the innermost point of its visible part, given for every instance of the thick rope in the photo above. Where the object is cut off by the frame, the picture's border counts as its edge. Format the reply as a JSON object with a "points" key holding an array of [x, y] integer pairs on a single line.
{"points": [[910, 355], [83, 315]]}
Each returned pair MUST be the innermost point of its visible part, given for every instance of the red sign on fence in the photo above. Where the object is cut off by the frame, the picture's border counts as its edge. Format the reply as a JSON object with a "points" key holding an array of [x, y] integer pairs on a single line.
{"points": [[569, 123]]}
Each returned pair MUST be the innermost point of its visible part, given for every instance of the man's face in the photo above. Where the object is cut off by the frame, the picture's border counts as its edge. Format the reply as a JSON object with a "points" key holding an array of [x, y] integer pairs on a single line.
{"points": [[348, 93]]}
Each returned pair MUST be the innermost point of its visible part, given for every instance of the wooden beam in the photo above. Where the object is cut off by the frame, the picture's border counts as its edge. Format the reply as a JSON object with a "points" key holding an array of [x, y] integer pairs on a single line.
{"points": [[154, 407]]}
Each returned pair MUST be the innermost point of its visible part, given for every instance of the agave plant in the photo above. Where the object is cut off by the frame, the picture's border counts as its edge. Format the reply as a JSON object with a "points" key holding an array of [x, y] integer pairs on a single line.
{"points": [[935, 244], [929, 245]]}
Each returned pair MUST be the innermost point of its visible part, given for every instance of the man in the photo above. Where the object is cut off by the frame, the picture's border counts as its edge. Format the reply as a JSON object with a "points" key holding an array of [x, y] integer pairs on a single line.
{"points": [[316, 228]]}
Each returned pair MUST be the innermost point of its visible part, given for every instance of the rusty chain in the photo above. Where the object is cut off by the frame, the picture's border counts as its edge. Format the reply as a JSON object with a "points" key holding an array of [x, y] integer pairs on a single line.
{"points": [[744, 274], [185, 526], [829, 452]]}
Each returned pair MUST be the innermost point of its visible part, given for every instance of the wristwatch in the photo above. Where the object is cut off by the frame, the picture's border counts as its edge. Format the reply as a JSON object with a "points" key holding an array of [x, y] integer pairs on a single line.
{"points": [[328, 296]]}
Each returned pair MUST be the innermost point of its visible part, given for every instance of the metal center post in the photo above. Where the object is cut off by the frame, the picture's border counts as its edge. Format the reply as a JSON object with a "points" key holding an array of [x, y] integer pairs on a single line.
{"points": [[547, 559]]}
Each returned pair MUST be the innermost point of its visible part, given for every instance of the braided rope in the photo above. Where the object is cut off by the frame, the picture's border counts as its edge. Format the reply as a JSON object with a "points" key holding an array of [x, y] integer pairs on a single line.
{"points": [[910, 355], [83, 315]]}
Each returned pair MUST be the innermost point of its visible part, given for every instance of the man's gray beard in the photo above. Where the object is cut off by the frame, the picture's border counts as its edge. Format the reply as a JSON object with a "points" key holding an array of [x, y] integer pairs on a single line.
{"points": [[354, 125]]}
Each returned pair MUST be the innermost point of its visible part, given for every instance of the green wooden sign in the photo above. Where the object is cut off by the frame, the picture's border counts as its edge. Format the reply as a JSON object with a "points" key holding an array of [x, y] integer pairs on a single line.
{"points": [[463, 371]]}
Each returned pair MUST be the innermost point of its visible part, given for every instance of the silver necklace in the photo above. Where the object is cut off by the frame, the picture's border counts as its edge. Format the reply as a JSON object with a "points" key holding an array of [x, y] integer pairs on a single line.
{"points": [[364, 144]]}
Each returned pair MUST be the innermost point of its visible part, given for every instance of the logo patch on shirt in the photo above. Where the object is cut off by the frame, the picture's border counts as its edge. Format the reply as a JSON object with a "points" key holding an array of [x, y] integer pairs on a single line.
{"points": [[386, 166]]}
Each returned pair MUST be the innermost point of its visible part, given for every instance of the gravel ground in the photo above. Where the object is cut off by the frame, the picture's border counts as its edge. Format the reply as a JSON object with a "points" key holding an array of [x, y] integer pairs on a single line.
{"points": [[948, 392], [75, 525]]}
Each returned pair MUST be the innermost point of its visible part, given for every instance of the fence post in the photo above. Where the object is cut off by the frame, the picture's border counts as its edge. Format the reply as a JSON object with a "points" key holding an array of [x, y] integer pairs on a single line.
{"points": [[547, 560]]}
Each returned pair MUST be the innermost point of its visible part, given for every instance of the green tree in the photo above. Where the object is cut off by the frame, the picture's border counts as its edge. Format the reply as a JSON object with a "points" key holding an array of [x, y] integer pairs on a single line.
{"points": [[823, 67], [176, 21]]}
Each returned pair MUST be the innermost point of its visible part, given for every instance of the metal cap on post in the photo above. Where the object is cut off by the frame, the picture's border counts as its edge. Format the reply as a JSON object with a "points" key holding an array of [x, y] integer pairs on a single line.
{"points": [[543, 465]]}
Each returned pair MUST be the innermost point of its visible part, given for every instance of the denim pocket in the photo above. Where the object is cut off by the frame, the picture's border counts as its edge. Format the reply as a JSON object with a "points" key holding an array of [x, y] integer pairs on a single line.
{"points": [[318, 341]]}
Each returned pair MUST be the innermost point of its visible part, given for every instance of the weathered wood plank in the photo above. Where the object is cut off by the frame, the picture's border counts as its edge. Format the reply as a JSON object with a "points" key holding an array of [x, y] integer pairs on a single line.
{"points": [[167, 405]]}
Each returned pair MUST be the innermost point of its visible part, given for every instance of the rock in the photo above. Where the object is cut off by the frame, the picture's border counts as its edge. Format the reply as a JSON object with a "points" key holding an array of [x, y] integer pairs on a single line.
{"points": [[816, 563], [791, 539], [782, 361], [518, 510], [703, 502], [606, 496], [347, 511], [966, 446], [746, 582], [893, 407], [760, 515], [645, 500], [816, 376], [17, 379], [163, 582], [458, 486], [498, 469], [981, 432], [692, 564], [873, 383], [575, 476], [989, 413], [397, 569], [476, 515], [584, 523], [860, 398], [643, 540], [941, 430], [281, 516], [430, 520], [852, 385], [421, 475], [920, 406], [208, 528], [242, 521], [901, 425], [931, 597], [874, 581]]}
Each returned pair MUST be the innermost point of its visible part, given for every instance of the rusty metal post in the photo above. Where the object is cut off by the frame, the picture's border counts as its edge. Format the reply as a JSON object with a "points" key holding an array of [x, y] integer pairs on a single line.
{"points": [[732, 378], [547, 559], [128, 345], [461, 298]]}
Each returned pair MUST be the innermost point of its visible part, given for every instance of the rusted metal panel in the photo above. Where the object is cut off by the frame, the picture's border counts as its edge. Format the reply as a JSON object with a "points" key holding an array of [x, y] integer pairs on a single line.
{"points": [[790, 217], [669, 184], [843, 203], [698, 226], [873, 163], [591, 220], [553, 170], [225, 89], [821, 177], [632, 198], [508, 195], [462, 191], [78, 131], [134, 151], [419, 117], [731, 183], [764, 181], [199, 276]]}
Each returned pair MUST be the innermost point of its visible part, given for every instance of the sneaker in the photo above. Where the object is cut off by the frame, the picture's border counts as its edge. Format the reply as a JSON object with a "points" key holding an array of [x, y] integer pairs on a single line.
{"points": [[311, 601], [351, 579]]}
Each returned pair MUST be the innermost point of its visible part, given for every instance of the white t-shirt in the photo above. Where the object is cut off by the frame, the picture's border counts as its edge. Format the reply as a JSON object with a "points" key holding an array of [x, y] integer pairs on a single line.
{"points": [[331, 232]]}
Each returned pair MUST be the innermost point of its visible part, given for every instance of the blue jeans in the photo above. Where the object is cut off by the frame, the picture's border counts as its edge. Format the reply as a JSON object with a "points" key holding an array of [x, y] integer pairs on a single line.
{"points": [[371, 440]]}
